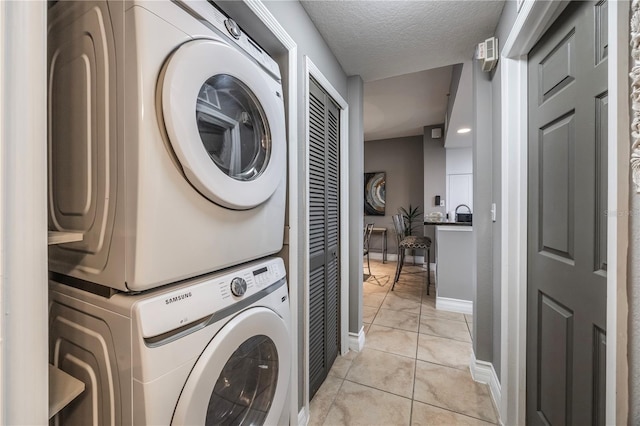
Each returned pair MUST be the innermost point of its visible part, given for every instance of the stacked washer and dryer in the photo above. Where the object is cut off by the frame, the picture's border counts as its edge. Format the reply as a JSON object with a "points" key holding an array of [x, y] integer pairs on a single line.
{"points": [[167, 151]]}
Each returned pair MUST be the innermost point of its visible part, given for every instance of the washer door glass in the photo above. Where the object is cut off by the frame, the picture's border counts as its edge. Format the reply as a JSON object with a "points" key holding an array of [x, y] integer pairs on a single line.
{"points": [[224, 117], [246, 386], [233, 127], [242, 375]]}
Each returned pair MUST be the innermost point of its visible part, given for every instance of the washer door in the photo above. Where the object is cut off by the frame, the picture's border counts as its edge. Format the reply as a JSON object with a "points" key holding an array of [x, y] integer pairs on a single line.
{"points": [[225, 120], [242, 377]]}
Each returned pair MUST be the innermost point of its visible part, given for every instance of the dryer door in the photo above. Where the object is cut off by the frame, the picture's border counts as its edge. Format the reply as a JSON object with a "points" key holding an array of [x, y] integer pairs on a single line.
{"points": [[242, 377], [225, 119]]}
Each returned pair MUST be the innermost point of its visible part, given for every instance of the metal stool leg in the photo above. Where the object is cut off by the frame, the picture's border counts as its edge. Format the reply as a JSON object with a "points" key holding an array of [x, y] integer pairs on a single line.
{"points": [[402, 256], [428, 269], [398, 268], [395, 277]]}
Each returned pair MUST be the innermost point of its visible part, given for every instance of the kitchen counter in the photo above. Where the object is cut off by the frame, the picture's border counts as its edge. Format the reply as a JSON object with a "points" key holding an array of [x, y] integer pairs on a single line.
{"points": [[449, 223], [454, 266]]}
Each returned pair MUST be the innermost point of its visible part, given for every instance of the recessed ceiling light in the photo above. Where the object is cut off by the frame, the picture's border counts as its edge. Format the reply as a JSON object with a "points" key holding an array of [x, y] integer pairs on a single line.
{"points": [[464, 130]]}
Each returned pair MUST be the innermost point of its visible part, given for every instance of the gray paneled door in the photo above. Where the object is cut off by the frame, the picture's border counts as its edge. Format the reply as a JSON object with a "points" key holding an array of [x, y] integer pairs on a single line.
{"points": [[324, 295], [567, 233]]}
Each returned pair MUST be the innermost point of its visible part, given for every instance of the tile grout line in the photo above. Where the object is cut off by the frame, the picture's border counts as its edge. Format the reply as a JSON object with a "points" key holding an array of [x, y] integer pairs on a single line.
{"points": [[414, 358], [450, 409], [452, 368], [378, 389], [333, 400], [457, 412], [415, 361], [389, 353]]}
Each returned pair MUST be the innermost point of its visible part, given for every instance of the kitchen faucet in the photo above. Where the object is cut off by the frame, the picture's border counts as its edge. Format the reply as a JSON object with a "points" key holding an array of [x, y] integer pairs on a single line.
{"points": [[463, 205], [463, 217]]}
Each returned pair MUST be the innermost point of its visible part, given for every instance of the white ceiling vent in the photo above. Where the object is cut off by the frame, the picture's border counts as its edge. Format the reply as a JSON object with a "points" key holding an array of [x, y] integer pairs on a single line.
{"points": [[436, 133], [488, 53]]}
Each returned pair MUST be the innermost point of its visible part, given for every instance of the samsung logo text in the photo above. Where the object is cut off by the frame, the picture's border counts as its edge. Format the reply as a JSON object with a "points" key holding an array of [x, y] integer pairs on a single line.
{"points": [[177, 298]]}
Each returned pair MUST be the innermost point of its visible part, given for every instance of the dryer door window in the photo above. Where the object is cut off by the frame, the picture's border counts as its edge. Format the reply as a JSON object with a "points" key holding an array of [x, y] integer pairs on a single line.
{"points": [[233, 127], [242, 376], [224, 116], [246, 386]]}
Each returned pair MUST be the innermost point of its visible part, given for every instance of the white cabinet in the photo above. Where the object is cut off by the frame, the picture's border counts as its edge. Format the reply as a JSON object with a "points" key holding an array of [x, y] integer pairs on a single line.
{"points": [[460, 191], [454, 270], [459, 180]]}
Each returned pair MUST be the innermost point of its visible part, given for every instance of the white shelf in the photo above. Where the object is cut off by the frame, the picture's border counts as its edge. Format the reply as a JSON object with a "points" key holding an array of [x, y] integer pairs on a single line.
{"points": [[64, 237], [63, 389]]}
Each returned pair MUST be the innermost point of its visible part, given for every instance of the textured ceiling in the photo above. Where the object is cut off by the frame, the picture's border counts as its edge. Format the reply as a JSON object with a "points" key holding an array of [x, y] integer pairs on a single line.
{"points": [[380, 39], [402, 39], [401, 106]]}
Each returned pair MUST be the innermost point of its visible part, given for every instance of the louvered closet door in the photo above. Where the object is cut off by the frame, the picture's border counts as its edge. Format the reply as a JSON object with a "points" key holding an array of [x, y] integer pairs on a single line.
{"points": [[323, 235]]}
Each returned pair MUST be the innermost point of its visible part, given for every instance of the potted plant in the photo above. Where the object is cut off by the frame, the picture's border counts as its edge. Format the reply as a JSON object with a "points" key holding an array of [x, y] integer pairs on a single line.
{"points": [[410, 216]]}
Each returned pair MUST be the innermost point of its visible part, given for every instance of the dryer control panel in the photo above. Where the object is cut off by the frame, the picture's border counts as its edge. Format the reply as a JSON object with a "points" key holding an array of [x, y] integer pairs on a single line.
{"points": [[189, 302], [212, 17]]}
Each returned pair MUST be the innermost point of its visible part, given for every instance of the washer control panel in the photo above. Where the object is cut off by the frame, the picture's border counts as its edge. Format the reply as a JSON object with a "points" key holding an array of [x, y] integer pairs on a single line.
{"points": [[198, 298]]}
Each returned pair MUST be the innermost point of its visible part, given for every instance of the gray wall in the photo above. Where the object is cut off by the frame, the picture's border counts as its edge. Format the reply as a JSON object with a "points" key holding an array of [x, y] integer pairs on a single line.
{"points": [[507, 19], [296, 22], [310, 43], [356, 202], [483, 342], [487, 187], [496, 232], [402, 160], [435, 183], [456, 73]]}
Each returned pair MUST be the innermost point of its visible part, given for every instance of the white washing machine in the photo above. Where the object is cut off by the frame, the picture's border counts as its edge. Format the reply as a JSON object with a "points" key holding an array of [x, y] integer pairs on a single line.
{"points": [[210, 351], [167, 145]]}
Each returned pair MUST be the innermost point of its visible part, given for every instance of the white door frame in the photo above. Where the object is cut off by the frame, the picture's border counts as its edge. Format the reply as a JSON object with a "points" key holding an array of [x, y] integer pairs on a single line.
{"points": [[23, 214], [311, 70], [293, 232], [533, 19]]}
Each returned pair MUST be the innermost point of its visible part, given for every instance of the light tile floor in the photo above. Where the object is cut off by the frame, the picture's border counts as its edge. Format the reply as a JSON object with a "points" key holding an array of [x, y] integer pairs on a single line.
{"points": [[414, 368]]}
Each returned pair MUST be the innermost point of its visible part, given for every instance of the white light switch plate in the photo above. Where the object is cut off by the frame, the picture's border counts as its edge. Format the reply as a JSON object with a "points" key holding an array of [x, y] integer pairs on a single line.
{"points": [[493, 212]]}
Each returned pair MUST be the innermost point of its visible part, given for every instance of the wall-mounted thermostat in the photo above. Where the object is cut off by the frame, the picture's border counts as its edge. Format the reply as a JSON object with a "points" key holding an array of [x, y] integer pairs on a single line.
{"points": [[488, 53]]}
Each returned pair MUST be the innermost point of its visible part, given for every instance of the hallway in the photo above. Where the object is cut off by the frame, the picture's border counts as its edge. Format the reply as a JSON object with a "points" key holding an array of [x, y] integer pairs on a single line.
{"points": [[414, 368]]}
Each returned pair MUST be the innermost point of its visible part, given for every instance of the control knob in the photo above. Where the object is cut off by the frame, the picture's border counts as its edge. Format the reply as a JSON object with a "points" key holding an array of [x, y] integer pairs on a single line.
{"points": [[233, 28], [238, 286]]}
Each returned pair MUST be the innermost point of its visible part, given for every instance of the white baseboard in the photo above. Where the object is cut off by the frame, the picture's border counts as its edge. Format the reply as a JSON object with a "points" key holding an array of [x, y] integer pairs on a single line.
{"points": [[454, 305], [303, 420], [483, 372], [392, 257], [419, 260], [376, 256], [356, 340]]}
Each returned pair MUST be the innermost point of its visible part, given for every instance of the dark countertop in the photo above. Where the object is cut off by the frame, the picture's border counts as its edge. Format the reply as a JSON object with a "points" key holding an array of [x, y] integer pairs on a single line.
{"points": [[449, 223]]}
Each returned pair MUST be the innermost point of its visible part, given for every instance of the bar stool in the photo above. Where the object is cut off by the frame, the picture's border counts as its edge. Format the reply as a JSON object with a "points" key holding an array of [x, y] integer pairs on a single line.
{"points": [[410, 242], [365, 240]]}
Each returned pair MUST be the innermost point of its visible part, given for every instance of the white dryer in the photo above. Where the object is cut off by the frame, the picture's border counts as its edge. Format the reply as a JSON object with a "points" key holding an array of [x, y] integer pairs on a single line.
{"points": [[167, 144], [213, 350]]}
